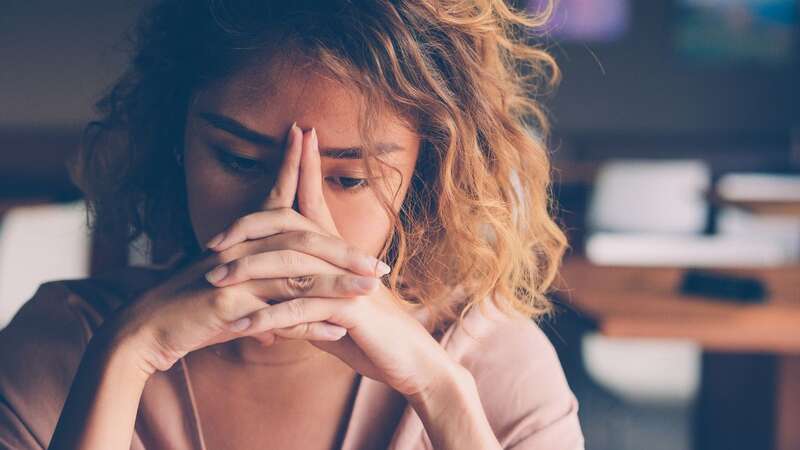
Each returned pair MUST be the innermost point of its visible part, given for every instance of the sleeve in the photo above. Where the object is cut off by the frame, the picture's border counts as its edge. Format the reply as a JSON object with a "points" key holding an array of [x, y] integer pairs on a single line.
{"points": [[40, 350], [524, 391]]}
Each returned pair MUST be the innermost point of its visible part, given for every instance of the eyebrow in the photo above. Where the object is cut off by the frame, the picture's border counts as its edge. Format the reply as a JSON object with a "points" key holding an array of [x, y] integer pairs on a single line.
{"points": [[239, 130]]}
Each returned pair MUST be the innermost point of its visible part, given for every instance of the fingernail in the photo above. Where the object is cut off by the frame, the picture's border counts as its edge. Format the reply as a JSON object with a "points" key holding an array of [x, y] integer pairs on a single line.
{"points": [[333, 331], [217, 274], [216, 240], [240, 324], [371, 264], [383, 268], [314, 136], [365, 283], [291, 133]]}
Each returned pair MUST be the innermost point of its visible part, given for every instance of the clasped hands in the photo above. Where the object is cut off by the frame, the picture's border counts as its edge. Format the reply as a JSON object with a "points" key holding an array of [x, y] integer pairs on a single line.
{"points": [[319, 285]]}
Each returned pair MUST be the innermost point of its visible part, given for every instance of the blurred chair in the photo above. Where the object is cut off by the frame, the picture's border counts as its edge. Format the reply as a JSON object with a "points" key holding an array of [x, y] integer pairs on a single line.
{"points": [[655, 213], [761, 207], [650, 196], [37, 244], [50, 241], [635, 204]]}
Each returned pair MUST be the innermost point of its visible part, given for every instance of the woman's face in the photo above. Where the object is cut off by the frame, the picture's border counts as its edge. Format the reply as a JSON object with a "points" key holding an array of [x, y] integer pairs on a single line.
{"points": [[234, 143]]}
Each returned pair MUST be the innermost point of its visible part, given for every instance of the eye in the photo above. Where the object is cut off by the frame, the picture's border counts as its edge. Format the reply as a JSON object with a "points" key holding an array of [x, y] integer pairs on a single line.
{"points": [[348, 183], [237, 164]]}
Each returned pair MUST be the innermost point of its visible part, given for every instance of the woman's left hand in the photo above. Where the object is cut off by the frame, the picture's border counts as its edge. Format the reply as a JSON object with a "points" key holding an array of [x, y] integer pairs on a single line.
{"points": [[384, 341]]}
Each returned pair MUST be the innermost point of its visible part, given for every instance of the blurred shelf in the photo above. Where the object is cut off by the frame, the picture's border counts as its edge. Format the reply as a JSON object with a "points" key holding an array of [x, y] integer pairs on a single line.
{"points": [[645, 302], [776, 208], [751, 364]]}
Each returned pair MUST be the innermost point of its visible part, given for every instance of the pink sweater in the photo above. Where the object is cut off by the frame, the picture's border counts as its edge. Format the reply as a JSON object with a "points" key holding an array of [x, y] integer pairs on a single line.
{"points": [[521, 384]]}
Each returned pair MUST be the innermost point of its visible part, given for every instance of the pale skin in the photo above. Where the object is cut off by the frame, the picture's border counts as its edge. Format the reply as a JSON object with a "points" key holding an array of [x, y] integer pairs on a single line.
{"points": [[306, 345]]}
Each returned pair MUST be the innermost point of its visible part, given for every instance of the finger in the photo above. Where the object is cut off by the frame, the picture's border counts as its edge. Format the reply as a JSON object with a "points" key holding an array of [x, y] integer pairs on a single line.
{"points": [[265, 339], [347, 350], [283, 192], [332, 249], [275, 264], [227, 304], [298, 311], [310, 198], [263, 224], [318, 285], [314, 331]]}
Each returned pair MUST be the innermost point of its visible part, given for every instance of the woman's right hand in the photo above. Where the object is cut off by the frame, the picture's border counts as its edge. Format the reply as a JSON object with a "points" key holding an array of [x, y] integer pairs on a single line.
{"points": [[186, 312]]}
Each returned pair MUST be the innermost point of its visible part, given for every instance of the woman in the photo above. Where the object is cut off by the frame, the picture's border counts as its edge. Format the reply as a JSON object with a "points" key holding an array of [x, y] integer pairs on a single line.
{"points": [[358, 225]]}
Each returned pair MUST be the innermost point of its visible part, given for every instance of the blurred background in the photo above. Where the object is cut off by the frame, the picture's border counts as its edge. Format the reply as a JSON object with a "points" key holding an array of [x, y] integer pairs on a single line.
{"points": [[676, 149]]}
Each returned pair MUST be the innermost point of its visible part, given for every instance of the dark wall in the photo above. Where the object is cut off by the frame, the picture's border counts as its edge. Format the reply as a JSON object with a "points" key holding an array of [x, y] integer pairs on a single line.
{"points": [[640, 85]]}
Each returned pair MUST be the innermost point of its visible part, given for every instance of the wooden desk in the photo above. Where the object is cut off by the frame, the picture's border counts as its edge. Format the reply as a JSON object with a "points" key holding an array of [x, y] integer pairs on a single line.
{"points": [[643, 302]]}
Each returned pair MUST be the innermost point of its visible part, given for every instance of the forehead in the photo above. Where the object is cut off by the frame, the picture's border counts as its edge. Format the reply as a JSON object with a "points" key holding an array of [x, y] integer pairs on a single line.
{"points": [[268, 95]]}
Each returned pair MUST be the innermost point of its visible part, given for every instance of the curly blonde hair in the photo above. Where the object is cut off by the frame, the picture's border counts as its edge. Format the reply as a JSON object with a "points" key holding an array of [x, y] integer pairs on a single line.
{"points": [[463, 73]]}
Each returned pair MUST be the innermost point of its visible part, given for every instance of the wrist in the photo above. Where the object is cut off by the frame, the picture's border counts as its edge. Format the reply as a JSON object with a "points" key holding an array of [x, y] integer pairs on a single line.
{"points": [[100, 408], [450, 382], [452, 413], [116, 366], [122, 347]]}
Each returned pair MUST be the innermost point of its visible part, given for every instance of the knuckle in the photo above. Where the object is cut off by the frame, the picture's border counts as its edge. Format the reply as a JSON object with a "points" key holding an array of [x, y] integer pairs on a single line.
{"points": [[305, 239], [289, 257], [342, 284], [222, 302], [300, 285], [353, 253], [240, 267], [263, 316], [241, 222], [296, 310]]}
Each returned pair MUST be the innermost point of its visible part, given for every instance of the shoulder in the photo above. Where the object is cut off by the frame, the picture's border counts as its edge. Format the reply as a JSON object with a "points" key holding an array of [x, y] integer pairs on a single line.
{"points": [[41, 348], [85, 301], [519, 377], [489, 339], [62, 315], [46, 325]]}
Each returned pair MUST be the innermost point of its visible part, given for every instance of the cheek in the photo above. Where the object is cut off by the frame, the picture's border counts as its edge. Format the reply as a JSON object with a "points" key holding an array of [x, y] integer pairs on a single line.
{"points": [[214, 201], [361, 221], [361, 218]]}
